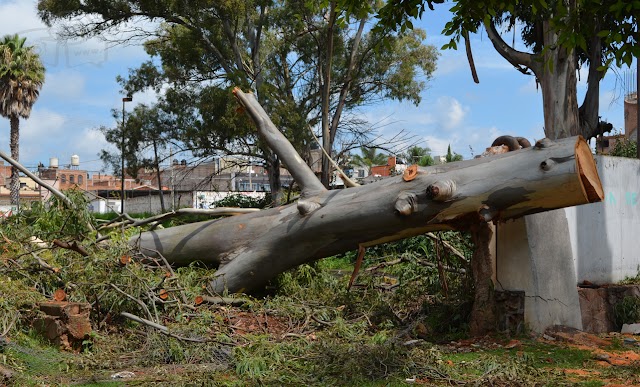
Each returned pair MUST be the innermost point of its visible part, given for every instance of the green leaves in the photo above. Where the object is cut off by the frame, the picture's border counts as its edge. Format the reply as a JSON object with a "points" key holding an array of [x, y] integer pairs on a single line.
{"points": [[369, 158], [21, 77]]}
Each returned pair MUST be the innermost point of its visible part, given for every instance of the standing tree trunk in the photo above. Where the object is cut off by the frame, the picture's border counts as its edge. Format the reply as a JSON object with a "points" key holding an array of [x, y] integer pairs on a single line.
{"points": [[558, 81], [483, 315], [159, 175], [14, 144], [251, 249], [275, 183], [588, 111], [555, 70], [325, 70]]}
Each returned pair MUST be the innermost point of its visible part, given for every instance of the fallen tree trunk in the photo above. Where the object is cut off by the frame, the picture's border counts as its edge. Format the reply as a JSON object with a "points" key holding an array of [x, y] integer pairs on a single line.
{"points": [[251, 249]]}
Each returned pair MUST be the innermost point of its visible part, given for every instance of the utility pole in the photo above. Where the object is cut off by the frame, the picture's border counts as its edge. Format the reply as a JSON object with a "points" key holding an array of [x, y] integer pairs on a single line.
{"points": [[125, 99]]}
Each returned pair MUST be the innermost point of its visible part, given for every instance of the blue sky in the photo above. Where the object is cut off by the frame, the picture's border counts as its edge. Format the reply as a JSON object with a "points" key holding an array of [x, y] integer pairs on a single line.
{"points": [[80, 90]]}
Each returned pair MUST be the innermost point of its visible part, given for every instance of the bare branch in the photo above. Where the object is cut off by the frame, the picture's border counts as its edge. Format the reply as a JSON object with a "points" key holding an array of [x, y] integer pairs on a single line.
{"points": [[132, 298], [303, 175], [165, 330], [472, 65], [35, 178], [222, 211], [347, 181], [448, 246], [73, 245], [519, 59]]}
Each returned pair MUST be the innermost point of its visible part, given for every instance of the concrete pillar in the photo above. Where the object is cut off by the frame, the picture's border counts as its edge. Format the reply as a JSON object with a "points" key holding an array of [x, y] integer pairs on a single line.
{"points": [[534, 255]]}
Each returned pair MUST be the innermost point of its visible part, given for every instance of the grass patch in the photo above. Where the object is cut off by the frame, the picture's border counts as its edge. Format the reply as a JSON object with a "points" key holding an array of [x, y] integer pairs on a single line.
{"points": [[395, 323], [548, 355]]}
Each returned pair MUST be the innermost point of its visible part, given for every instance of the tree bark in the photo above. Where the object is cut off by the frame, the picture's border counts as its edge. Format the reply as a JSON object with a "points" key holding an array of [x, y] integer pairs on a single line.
{"points": [[555, 70], [251, 249], [483, 315], [588, 111], [14, 144], [159, 175], [326, 96], [558, 82]]}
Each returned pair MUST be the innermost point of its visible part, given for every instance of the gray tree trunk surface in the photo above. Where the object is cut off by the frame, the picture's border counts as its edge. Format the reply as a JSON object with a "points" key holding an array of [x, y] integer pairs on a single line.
{"points": [[14, 144], [251, 249]]}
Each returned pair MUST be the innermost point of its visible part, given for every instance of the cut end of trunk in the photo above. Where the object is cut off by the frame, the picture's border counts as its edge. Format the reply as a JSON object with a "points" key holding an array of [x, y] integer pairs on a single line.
{"points": [[591, 185]]}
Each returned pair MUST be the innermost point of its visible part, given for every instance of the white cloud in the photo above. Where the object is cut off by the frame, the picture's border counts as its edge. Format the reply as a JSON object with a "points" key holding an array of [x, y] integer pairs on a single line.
{"points": [[50, 134], [43, 124], [438, 145], [66, 84], [36, 133], [87, 144], [449, 113], [467, 141], [19, 17]]}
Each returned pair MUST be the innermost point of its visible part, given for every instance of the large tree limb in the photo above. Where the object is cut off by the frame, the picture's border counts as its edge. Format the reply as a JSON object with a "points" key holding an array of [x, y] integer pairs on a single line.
{"points": [[518, 59], [590, 124], [253, 248], [305, 178]]}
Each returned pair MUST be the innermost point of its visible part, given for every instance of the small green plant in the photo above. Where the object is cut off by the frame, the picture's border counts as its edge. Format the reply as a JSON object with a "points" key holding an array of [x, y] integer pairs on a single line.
{"points": [[627, 311], [625, 148], [635, 280], [616, 344]]}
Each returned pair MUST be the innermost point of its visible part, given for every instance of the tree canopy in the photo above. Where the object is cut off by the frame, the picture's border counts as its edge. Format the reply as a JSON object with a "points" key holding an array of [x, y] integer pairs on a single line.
{"points": [[418, 155], [560, 35], [309, 64]]}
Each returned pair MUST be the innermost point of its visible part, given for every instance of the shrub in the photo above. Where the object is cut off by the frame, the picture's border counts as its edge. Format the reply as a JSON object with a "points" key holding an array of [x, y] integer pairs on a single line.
{"points": [[627, 311]]}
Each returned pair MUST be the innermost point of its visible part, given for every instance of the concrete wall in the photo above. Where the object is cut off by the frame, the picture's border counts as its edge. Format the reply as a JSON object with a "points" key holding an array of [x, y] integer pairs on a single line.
{"points": [[605, 236], [532, 254], [151, 203]]}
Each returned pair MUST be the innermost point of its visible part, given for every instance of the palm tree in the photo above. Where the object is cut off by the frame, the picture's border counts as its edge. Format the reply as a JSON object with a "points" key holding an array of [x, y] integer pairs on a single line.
{"points": [[419, 155], [21, 78], [369, 158]]}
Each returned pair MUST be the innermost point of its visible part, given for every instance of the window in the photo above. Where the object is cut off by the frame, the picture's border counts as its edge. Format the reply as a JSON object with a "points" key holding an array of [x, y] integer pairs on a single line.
{"points": [[72, 179], [79, 179], [248, 187], [63, 178]]}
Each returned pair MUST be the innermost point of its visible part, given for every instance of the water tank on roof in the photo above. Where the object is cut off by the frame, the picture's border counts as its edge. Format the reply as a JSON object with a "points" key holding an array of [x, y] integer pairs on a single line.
{"points": [[75, 160], [53, 162]]}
